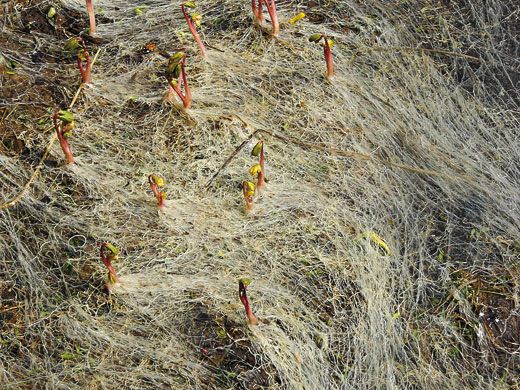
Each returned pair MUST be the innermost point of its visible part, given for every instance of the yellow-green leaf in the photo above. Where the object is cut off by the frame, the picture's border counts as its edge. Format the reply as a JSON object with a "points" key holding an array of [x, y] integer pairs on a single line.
{"points": [[297, 18], [257, 149], [255, 169], [315, 37]]}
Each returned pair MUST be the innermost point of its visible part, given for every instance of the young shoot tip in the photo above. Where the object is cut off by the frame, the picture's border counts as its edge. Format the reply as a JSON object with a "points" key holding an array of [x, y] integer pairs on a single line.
{"points": [[243, 283], [109, 253]]}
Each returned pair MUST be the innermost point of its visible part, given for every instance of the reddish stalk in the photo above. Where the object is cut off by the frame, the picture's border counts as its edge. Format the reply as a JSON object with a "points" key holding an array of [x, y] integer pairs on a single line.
{"points": [[176, 70], [92, 17], [271, 8], [87, 69], [328, 57], [261, 174], [108, 252], [62, 131], [242, 286], [257, 7], [327, 44], [155, 183], [193, 30], [258, 151]]}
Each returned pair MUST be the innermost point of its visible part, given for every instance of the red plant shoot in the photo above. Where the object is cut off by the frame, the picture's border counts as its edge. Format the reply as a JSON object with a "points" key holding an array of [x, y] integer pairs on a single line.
{"points": [[259, 169], [92, 17], [78, 47], [271, 8], [63, 131], [248, 189], [174, 72], [156, 182], [327, 45], [194, 22], [258, 14], [242, 286], [108, 253]]}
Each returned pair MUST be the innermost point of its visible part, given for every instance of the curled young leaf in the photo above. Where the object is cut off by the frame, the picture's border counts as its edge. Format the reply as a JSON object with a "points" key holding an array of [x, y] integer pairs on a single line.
{"points": [[315, 37], [249, 188], [189, 4], [244, 282], [255, 169], [257, 149], [330, 42], [197, 19], [297, 18], [72, 45], [114, 251], [177, 71], [157, 180], [174, 61], [66, 116]]}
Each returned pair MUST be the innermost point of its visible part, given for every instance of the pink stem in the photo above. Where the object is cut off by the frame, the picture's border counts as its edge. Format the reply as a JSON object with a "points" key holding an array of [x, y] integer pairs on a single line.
{"points": [[271, 8], [87, 71], [186, 97], [261, 175], [187, 91], [258, 12], [92, 17], [65, 147], [194, 32]]}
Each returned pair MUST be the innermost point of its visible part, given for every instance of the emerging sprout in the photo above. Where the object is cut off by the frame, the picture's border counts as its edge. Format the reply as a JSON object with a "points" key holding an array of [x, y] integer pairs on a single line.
{"points": [[51, 13], [297, 18], [258, 17], [327, 45], [242, 293], [248, 189], [259, 169], [156, 182], [77, 46], [92, 17], [374, 237], [174, 71], [108, 253], [64, 131], [193, 22]]}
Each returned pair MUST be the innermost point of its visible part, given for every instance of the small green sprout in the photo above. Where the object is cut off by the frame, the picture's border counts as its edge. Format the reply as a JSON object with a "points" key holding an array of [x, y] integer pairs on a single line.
{"points": [[51, 12], [140, 10], [157, 182], [193, 22], [327, 46], [242, 293], [92, 17], [109, 253], [174, 71], [248, 190], [63, 125], [79, 49]]}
